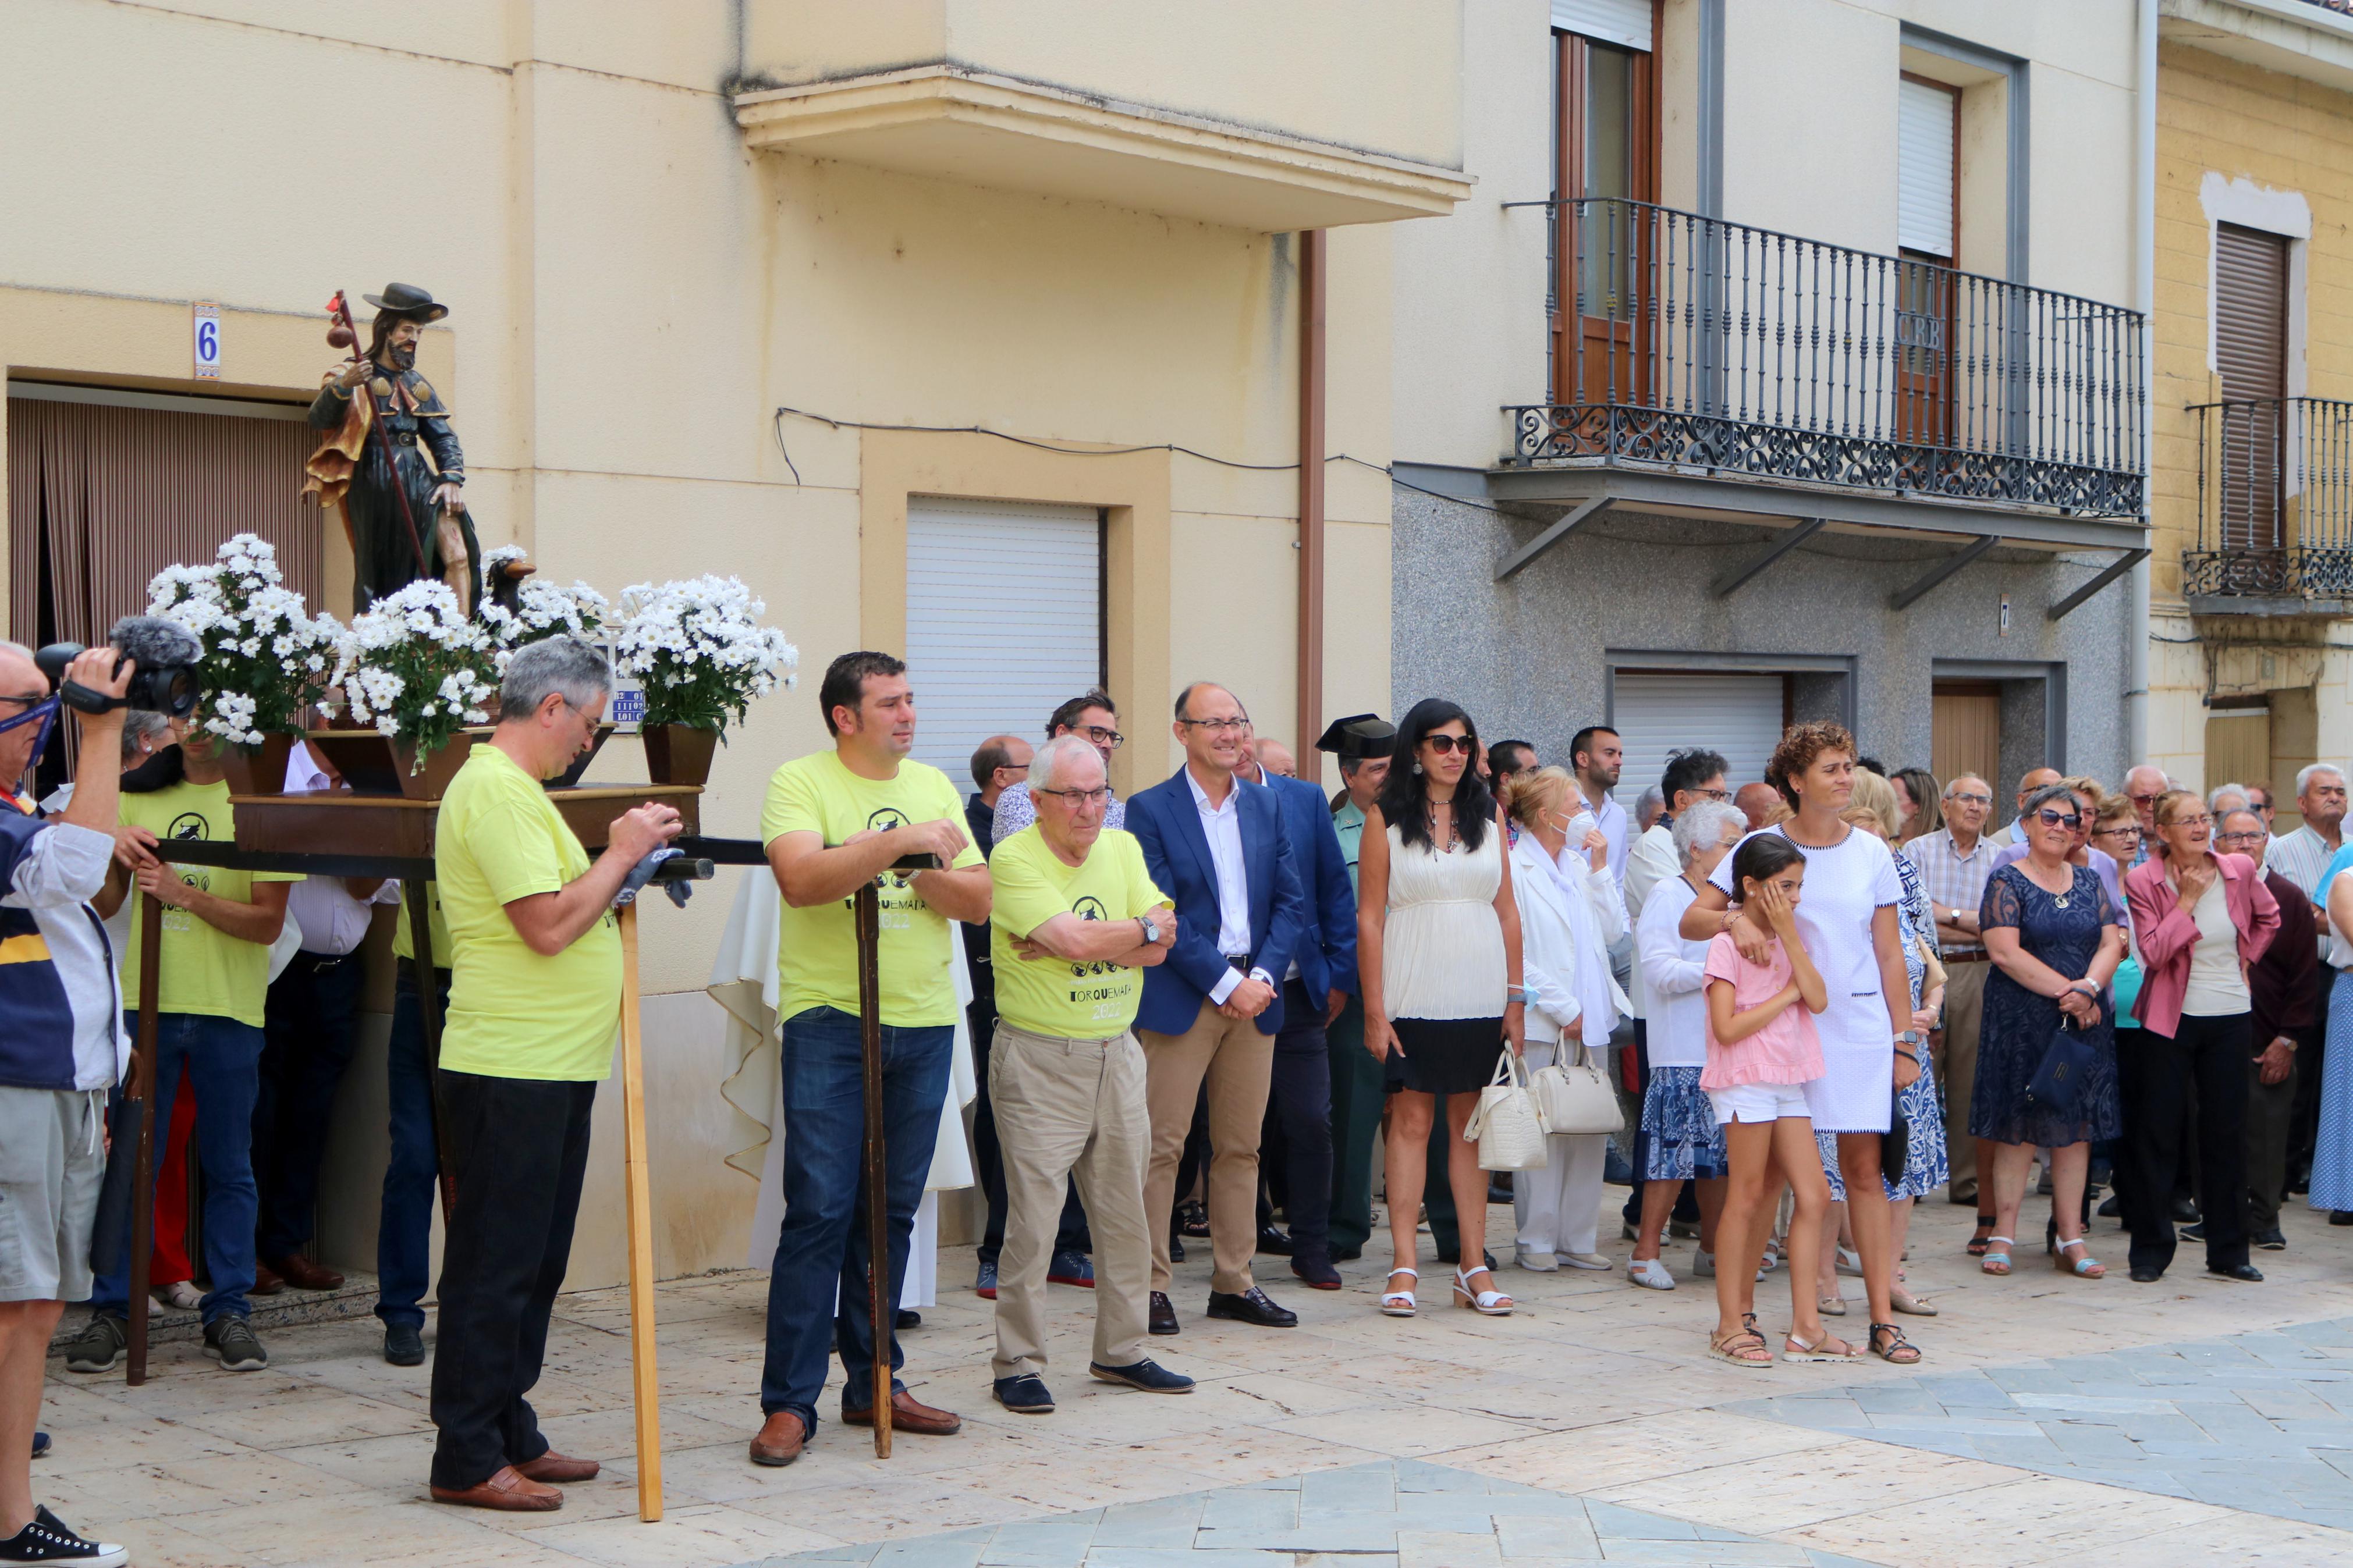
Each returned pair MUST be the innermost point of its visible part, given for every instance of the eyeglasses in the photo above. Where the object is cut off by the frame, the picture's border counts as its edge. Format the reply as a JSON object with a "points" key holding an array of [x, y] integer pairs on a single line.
{"points": [[2052, 818], [1014, 768], [2254, 838], [1715, 794], [1075, 798], [1217, 726], [2115, 833], [1443, 744], [1970, 799], [1102, 737], [2200, 820]]}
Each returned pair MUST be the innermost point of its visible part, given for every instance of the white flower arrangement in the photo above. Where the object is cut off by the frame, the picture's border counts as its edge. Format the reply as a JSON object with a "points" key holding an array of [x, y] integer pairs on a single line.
{"points": [[699, 650], [542, 610], [414, 666], [266, 658]]}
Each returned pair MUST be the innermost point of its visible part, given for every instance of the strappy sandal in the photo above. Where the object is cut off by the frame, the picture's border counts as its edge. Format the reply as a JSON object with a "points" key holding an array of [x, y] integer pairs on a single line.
{"points": [[1398, 1303], [1741, 1347], [1984, 1237], [1997, 1259], [1897, 1350], [1794, 1349], [1486, 1303], [2085, 1268]]}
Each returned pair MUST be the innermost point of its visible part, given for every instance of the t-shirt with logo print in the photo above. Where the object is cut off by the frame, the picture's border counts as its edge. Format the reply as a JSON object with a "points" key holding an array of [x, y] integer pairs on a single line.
{"points": [[207, 970], [816, 958], [1031, 885]]}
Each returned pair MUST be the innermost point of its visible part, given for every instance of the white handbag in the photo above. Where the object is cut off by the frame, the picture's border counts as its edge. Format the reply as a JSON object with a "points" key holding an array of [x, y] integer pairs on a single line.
{"points": [[1508, 1126], [1574, 1096]]}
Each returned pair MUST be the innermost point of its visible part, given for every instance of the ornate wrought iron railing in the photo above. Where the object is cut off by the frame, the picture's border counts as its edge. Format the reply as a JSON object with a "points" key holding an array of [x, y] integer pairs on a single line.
{"points": [[2275, 499], [1693, 343]]}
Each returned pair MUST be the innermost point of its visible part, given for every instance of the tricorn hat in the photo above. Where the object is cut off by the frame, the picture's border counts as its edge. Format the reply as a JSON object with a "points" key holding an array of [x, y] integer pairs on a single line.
{"points": [[406, 299], [1358, 735]]}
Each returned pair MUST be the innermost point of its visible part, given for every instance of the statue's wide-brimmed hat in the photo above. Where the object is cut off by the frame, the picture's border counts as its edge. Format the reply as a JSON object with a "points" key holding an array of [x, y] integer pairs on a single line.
{"points": [[406, 299]]}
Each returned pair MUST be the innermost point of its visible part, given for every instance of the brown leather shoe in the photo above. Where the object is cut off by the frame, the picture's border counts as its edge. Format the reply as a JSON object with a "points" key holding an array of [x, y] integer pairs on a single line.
{"points": [[554, 1466], [507, 1491], [782, 1438], [266, 1281], [909, 1414], [304, 1275]]}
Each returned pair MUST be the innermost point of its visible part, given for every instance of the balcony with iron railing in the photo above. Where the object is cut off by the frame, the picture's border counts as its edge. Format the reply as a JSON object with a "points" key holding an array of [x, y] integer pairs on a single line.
{"points": [[2274, 507], [1690, 346]]}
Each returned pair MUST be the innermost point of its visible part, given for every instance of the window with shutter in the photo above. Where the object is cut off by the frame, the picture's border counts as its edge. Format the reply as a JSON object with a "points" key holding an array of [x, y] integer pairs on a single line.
{"points": [[2251, 357], [1656, 712], [1927, 231], [1605, 139]]}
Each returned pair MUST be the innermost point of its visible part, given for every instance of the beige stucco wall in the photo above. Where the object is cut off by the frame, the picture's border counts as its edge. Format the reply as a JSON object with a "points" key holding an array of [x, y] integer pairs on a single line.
{"points": [[634, 293]]}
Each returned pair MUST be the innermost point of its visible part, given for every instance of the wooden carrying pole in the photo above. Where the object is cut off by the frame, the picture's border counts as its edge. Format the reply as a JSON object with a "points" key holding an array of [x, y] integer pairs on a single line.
{"points": [[647, 1384], [142, 1169], [869, 916]]}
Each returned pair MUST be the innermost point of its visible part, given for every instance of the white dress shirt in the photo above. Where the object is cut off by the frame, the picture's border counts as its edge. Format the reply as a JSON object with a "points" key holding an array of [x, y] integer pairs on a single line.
{"points": [[332, 921], [1222, 827], [1617, 828], [1673, 978]]}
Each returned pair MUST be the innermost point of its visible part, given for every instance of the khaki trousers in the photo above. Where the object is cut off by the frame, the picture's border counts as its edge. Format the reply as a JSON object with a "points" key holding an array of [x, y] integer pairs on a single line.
{"points": [[1237, 1063], [1070, 1109], [1956, 1070]]}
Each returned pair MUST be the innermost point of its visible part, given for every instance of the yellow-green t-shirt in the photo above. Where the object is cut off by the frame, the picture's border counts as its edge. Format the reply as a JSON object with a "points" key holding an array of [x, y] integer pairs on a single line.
{"points": [[514, 1013], [206, 970], [818, 947], [1031, 884], [437, 927]]}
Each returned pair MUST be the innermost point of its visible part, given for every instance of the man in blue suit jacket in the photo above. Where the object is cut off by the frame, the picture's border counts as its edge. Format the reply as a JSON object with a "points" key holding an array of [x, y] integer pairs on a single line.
{"points": [[1216, 848], [1298, 1136]]}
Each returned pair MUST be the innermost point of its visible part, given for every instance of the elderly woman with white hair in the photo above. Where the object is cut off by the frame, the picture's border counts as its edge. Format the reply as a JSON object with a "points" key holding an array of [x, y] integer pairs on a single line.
{"points": [[1682, 1141]]}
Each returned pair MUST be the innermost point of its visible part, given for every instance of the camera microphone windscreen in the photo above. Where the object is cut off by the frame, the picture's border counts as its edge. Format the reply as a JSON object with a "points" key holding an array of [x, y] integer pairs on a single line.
{"points": [[155, 642]]}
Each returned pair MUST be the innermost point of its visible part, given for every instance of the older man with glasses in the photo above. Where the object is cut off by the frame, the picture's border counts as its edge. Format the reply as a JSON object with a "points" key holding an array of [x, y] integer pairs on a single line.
{"points": [[1954, 863]]}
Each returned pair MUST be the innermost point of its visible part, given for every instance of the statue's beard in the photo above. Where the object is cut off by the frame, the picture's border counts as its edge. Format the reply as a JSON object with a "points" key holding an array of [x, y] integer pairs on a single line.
{"points": [[402, 356]]}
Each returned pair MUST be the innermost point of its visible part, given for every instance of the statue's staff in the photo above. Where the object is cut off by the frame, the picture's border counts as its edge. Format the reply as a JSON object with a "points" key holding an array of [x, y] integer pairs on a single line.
{"points": [[351, 336]]}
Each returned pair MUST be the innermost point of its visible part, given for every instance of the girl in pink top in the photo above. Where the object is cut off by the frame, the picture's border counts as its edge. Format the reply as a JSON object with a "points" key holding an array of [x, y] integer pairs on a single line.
{"points": [[1762, 1049]]}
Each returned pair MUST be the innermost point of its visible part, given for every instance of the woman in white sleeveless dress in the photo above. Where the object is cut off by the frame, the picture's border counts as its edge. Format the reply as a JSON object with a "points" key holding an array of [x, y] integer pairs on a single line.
{"points": [[1437, 951]]}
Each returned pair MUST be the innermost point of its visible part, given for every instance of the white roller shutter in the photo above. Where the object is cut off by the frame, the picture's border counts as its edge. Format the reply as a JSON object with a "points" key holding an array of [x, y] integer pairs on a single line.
{"points": [[1004, 620], [1924, 167], [1626, 22], [1739, 715]]}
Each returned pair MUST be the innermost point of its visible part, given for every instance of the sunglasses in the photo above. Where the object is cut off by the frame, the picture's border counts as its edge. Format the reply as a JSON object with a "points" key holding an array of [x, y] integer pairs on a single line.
{"points": [[2051, 818], [1444, 744]]}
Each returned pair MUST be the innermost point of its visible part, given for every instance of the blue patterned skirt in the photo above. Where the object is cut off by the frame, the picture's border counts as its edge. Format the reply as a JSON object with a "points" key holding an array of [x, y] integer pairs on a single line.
{"points": [[2332, 1155], [1681, 1142], [1924, 1168]]}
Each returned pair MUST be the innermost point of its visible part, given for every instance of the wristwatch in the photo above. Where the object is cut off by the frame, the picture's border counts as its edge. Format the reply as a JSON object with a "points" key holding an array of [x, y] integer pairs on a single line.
{"points": [[1151, 929]]}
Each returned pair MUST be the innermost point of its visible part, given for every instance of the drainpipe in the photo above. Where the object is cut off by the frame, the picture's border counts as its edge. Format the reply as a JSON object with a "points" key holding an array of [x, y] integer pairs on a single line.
{"points": [[1311, 277], [2145, 300]]}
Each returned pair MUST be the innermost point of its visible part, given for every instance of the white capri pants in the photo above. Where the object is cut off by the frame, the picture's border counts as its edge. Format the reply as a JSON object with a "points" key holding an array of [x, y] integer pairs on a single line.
{"points": [[1558, 1208]]}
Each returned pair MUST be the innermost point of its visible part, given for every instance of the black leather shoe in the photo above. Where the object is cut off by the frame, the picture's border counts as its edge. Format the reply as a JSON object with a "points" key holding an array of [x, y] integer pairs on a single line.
{"points": [[2111, 1207], [404, 1346], [1025, 1395], [2270, 1240], [1175, 1250], [2185, 1212], [1253, 1306], [2193, 1232], [2147, 1276], [1316, 1272], [2340, 1216], [1148, 1375], [2247, 1273], [907, 1320], [1272, 1241], [1163, 1317]]}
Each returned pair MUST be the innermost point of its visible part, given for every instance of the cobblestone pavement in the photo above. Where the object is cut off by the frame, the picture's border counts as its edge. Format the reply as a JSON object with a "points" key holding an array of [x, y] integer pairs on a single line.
{"points": [[1589, 1425]]}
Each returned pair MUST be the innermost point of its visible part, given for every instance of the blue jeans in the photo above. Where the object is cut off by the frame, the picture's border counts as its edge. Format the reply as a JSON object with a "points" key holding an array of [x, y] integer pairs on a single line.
{"points": [[223, 1059], [822, 1250], [404, 1235]]}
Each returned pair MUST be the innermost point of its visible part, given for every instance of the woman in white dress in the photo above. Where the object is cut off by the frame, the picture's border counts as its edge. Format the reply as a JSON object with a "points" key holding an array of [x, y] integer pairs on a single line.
{"points": [[1438, 954], [1568, 917], [1869, 1047]]}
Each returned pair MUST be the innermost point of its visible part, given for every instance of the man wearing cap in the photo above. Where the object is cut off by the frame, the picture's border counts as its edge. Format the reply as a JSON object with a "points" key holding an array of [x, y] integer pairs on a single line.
{"points": [[1362, 742], [350, 464]]}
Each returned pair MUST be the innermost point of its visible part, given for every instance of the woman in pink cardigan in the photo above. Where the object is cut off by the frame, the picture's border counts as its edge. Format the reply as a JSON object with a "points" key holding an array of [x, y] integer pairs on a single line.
{"points": [[2198, 919]]}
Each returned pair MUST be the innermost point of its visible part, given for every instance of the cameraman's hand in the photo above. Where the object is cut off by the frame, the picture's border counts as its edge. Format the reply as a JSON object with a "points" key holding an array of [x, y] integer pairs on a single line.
{"points": [[106, 672], [637, 833]]}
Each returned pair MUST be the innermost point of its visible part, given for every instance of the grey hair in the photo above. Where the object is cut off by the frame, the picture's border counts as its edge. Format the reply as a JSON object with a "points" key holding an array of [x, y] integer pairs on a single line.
{"points": [[1046, 765], [2214, 799], [2034, 803], [1958, 779], [2304, 775], [142, 724], [562, 665], [1702, 827], [1651, 796]]}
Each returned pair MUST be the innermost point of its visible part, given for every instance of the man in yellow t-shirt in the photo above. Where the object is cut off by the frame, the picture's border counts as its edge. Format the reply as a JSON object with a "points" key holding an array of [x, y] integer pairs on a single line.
{"points": [[836, 821], [534, 1001], [1074, 922], [214, 990]]}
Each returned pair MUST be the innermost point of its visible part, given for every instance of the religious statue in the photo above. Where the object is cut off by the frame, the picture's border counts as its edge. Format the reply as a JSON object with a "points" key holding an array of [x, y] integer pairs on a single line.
{"points": [[405, 518]]}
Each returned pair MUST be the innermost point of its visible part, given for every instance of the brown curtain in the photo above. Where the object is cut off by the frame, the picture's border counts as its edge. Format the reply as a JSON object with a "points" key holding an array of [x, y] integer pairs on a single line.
{"points": [[115, 495]]}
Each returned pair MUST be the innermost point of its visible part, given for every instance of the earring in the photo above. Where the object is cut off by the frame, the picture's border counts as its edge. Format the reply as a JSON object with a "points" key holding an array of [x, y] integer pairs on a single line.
{"points": [[1417, 767]]}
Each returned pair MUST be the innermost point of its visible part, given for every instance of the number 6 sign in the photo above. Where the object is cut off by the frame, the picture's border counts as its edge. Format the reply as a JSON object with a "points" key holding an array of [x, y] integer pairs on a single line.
{"points": [[207, 341]]}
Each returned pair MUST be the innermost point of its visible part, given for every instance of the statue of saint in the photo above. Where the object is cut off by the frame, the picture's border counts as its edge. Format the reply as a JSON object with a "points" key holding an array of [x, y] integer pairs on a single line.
{"points": [[381, 418]]}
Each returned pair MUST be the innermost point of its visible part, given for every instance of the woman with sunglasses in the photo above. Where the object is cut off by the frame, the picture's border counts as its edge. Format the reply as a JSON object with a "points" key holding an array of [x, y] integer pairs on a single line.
{"points": [[2200, 919], [2056, 937], [1438, 954]]}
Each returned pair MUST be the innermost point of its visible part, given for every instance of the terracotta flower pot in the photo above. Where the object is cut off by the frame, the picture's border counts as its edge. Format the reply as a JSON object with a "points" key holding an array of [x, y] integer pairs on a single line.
{"points": [[678, 753], [257, 770], [431, 781]]}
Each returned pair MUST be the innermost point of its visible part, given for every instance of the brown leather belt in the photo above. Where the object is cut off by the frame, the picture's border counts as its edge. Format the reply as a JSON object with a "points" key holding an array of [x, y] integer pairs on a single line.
{"points": [[1979, 956]]}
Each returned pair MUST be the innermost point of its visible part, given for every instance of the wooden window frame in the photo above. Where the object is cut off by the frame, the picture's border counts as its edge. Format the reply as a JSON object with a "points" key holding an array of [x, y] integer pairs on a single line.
{"points": [[1570, 53]]}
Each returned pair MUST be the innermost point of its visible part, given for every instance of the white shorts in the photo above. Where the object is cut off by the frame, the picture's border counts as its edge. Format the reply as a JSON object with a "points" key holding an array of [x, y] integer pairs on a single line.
{"points": [[1758, 1103]]}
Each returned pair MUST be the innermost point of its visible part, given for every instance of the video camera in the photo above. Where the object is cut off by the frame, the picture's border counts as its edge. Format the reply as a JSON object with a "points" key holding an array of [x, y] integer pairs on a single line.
{"points": [[165, 681]]}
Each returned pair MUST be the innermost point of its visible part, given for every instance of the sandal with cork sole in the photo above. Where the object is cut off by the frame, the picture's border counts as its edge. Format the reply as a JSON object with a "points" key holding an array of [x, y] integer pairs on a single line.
{"points": [[1744, 1346], [1486, 1303], [1996, 1255]]}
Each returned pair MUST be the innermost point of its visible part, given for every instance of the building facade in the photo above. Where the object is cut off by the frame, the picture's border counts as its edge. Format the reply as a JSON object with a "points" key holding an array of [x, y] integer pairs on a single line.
{"points": [[2253, 484], [1783, 364], [735, 288]]}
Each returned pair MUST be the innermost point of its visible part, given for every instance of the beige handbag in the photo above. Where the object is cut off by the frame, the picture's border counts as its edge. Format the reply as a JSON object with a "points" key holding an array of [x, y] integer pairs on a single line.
{"points": [[1574, 1096], [1508, 1127]]}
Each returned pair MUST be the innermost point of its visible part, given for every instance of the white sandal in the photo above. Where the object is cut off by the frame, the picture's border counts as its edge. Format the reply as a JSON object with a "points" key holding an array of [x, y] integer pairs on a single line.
{"points": [[1486, 1303], [1650, 1273], [1398, 1303]]}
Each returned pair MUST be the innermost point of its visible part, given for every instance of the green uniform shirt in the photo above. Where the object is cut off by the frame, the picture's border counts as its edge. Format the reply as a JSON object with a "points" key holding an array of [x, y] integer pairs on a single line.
{"points": [[206, 970], [514, 1013], [818, 947], [1031, 885], [1349, 822]]}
